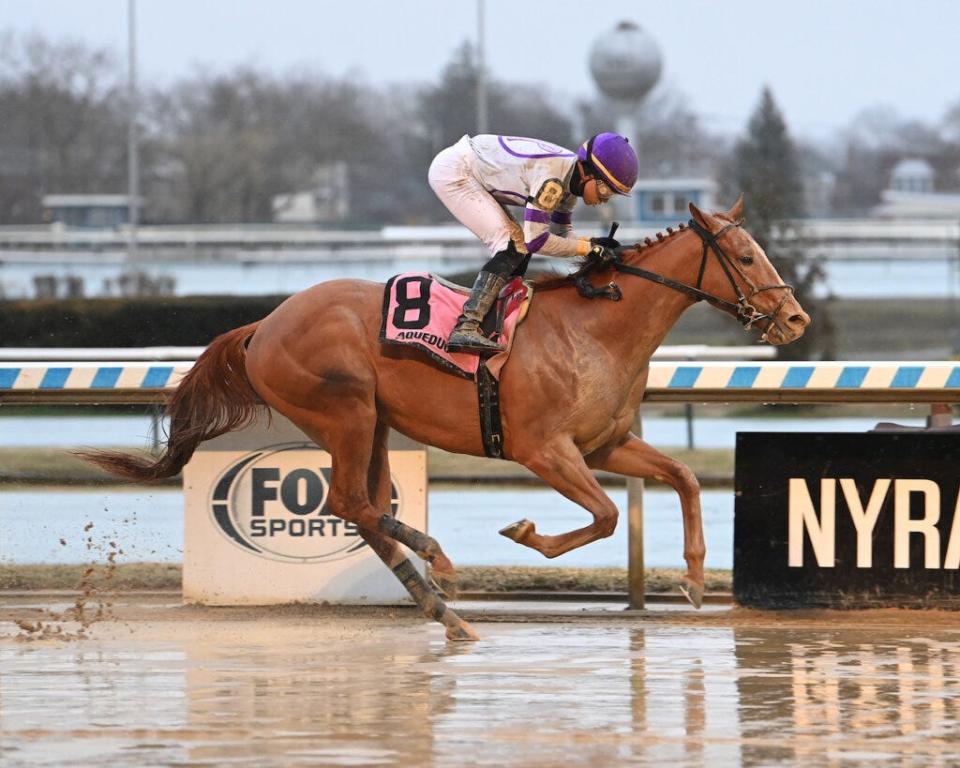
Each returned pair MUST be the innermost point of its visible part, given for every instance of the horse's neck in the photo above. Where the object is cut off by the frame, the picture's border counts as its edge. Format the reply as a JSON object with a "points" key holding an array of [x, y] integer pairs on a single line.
{"points": [[649, 310]]}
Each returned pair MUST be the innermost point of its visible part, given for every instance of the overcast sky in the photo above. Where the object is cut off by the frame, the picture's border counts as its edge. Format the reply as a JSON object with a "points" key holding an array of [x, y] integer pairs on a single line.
{"points": [[826, 60]]}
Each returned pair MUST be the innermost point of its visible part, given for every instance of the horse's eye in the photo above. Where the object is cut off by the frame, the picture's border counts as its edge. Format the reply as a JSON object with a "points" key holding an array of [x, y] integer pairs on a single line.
{"points": [[746, 260]]}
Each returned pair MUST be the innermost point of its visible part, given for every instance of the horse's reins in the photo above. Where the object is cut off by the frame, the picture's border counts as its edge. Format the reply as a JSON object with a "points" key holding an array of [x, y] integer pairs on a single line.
{"points": [[743, 310]]}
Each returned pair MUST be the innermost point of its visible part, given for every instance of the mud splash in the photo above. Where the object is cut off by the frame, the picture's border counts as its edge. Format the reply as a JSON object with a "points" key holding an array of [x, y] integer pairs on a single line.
{"points": [[94, 601]]}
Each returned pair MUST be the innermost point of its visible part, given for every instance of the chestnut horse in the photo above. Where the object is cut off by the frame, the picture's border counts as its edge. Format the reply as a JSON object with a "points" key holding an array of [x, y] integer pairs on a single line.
{"points": [[569, 393]]}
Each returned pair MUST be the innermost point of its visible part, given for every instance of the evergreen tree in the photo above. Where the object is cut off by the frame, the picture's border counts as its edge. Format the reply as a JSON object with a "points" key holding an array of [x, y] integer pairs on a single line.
{"points": [[767, 172]]}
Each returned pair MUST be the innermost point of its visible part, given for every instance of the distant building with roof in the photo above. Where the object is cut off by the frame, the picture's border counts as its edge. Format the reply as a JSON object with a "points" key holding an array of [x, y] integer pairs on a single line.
{"points": [[661, 202], [327, 201], [912, 175], [910, 194], [98, 211]]}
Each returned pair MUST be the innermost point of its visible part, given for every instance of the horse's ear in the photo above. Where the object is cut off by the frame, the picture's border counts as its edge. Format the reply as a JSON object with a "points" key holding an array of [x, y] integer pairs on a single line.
{"points": [[736, 212], [700, 217]]}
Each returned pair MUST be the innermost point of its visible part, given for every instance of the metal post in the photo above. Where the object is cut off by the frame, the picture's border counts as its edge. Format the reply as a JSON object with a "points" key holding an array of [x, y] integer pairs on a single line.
{"points": [[635, 576], [688, 411], [481, 72], [133, 156], [954, 282], [156, 427], [941, 415]]}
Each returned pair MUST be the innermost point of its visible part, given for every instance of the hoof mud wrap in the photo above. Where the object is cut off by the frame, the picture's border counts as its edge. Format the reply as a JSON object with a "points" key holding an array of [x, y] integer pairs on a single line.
{"points": [[446, 584]]}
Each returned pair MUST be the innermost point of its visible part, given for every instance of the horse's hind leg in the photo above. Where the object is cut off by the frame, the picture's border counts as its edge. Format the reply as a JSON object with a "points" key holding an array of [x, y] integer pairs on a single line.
{"points": [[346, 427], [422, 593], [635, 458], [360, 493], [378, 488], [442, 571]]}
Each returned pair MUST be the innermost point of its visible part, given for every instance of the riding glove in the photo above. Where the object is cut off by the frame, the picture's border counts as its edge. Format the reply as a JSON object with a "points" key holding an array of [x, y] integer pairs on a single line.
{"points": [[606, 242], [603, 254]]}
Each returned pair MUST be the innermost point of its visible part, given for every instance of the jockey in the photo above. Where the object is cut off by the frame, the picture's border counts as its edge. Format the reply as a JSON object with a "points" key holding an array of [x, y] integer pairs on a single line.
{"points": [[479, 176]]}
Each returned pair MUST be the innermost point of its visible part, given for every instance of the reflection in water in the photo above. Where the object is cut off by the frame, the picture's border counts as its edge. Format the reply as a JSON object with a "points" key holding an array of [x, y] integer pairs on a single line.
{"points": [[315, 703], [685, 696], [361, 692], [859, 694]]}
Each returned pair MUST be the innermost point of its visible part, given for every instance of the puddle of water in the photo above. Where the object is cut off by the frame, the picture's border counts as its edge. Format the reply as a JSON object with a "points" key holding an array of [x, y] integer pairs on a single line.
{"points": [[355, 691]]}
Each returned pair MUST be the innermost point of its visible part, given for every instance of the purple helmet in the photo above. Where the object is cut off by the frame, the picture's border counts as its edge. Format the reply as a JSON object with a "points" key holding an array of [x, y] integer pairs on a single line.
{"points": [[614, 160]]}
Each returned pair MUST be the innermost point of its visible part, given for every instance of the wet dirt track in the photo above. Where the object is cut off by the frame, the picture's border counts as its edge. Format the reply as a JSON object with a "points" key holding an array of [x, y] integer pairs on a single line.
{"points": [[161, 684]]}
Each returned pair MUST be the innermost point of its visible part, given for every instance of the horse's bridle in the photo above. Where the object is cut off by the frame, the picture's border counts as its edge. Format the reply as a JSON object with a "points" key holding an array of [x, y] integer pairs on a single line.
{"points": [[743, 310]]}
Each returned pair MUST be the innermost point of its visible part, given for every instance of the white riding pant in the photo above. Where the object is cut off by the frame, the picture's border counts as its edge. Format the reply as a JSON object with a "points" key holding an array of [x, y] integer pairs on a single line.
{"points": [[451, 177]]}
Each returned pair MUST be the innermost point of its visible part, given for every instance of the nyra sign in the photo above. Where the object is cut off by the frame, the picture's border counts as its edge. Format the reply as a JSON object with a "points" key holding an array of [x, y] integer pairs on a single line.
{"points": [[847, 520]]}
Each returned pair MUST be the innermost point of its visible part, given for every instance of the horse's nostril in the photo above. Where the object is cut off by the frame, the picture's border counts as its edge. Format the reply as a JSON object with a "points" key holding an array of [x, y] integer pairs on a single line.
{"points": [[800, 320]]}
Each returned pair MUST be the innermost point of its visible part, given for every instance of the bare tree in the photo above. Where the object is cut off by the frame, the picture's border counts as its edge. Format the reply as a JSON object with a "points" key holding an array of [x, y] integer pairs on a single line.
{"points": [[62, 123]]}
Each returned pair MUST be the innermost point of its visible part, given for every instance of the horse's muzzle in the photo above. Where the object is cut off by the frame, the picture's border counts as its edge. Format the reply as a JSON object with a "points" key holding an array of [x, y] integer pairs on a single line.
{"points": [[784, 327]]}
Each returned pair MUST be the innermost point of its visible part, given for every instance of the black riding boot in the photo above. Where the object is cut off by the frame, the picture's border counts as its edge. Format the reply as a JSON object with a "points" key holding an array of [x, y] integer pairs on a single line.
{"points": [[466, 336]]}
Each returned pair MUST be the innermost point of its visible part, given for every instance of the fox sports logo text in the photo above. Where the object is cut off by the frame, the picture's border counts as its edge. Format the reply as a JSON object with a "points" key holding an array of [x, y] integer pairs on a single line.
{"points": [[273, 503]]}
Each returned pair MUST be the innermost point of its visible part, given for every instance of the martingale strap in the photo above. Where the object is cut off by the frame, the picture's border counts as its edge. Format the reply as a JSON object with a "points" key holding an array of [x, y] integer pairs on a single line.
{"points": [[491, 430]]}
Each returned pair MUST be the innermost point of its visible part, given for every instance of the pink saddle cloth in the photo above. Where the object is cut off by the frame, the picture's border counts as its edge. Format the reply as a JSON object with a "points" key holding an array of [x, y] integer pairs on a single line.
{"points": [[420, 310]]}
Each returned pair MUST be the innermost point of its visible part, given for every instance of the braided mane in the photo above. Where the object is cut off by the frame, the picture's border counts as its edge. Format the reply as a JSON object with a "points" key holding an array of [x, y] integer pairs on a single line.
{"points": [[590, 264]]}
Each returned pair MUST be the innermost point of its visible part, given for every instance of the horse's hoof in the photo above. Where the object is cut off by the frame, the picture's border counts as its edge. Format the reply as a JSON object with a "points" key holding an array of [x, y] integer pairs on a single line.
{"points": [[518, 531], [445, 583], [462, 633], [692, 591]]}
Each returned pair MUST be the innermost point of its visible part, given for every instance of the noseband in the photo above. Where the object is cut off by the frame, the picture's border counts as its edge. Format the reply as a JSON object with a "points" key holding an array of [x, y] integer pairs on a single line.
{"points": [[743, 310]]}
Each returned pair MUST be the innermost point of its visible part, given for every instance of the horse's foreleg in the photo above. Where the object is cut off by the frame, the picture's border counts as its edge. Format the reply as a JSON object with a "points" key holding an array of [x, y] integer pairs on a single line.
{"points": [[635, 458], [561, 466]]}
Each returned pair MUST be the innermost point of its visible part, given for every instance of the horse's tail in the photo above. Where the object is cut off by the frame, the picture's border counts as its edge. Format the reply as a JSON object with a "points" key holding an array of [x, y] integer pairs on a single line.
{"points": [[213, 398]]}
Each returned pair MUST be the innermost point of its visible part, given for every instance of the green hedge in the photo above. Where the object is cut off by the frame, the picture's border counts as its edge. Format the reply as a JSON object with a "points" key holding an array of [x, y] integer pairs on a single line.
{"points": [[865, 327], [142, 322]]}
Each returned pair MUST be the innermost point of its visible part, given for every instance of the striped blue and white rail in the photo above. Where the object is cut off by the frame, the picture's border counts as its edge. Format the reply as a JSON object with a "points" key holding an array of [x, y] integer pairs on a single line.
{"points": [[89, 382], [693, 382], [796, 382]]}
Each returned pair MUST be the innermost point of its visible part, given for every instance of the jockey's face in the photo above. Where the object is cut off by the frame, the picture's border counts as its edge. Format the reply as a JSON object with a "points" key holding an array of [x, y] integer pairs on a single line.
{"points": [[596, 192]]}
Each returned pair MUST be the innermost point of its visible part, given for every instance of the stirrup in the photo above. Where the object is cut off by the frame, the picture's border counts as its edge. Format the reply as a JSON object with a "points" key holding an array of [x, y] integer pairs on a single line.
{"points": [[469, 340]]}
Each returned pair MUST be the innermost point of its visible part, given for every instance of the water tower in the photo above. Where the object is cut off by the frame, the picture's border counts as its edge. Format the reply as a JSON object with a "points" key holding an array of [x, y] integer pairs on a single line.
{"points": [[626, 65]]}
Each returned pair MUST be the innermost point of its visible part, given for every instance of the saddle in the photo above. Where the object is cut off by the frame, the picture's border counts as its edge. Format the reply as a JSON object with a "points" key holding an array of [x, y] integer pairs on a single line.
{"points": [[420, 311]]}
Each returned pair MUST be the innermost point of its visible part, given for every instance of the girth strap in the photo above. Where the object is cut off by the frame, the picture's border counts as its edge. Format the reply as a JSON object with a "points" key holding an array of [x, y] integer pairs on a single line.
{"points": [[491, 430]]}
